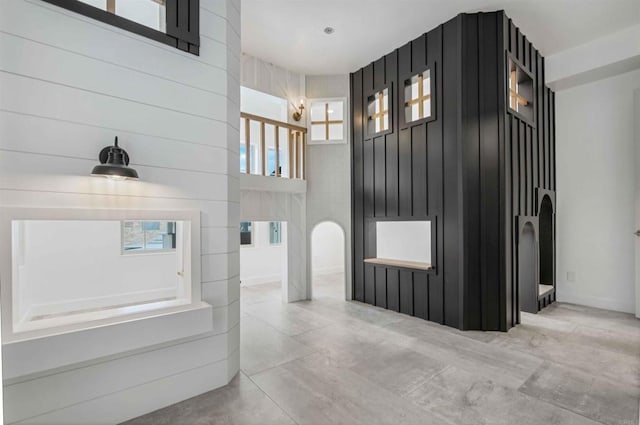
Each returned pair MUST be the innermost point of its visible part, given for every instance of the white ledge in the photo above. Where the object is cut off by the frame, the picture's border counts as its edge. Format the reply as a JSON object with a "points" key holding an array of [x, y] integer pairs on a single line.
{"points": [[42, 354]]}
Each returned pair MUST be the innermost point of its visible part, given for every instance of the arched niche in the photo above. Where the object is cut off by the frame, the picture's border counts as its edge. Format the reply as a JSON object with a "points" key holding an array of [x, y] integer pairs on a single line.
{"points": [[545, 220], [527, 265], [546, 212]]}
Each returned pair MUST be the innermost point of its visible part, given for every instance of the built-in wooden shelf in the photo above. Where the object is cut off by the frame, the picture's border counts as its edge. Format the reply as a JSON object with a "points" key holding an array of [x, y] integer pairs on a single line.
{"points": [[544, 290], [399, 263]]}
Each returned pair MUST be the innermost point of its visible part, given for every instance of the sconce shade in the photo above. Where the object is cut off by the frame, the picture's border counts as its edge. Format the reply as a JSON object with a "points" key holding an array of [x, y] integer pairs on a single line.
{"points": [[114, 163]]}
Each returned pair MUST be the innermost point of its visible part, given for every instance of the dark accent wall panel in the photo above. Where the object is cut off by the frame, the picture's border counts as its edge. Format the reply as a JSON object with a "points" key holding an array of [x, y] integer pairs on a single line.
{"points": [[471, 169], [529, 160]]}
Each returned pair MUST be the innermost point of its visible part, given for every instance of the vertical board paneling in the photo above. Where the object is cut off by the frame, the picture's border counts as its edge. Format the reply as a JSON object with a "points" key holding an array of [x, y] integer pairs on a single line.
{"points": [[405, 172], [406, 292], [357, 185], [419, 171], [393, 289], [391, 145], [369, 284], [435, 179], [421, 295], [379, 176], [381, 287], [472, 170]]}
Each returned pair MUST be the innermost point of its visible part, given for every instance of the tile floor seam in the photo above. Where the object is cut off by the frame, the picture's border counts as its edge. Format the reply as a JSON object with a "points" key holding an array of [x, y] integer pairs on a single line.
{"points": [[269, 397]]}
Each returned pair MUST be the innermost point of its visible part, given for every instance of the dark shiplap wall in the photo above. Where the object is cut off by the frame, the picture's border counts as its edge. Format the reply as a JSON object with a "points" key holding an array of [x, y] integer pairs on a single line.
{"points": [[470, 171], [530, 150], [401, 176]]}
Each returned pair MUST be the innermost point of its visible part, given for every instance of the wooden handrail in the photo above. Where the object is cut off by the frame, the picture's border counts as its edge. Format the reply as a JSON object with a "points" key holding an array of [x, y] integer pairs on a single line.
{"points": [[297, 143], [272, 122]]}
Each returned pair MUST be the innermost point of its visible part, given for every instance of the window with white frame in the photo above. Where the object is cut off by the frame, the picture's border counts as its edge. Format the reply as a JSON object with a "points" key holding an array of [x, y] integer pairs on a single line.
{"points": [[327, 124], [141, 236], [275, 233]]}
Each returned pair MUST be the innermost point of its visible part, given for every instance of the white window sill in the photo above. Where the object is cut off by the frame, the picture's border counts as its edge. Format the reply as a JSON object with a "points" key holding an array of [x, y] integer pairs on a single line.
{"points": [[38, 351]]}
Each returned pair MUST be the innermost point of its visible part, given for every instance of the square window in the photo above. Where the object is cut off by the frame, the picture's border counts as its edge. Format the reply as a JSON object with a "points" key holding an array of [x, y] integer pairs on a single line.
{"points": [[148, 236], [327, 120], [275, 233], [418, 96], [378, 112], [521, 91], [246, 233]]}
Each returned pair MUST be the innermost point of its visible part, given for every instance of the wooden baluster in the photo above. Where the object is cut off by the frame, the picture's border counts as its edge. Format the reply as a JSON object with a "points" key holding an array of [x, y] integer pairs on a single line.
{"points": [[304, 156], [290, 153], [247, 145], [263, 151], [297, 154], [277, 140]]}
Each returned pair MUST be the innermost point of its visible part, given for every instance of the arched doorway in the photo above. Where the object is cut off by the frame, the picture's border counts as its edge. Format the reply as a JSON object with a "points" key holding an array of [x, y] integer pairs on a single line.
{"points": [[328, 260], [527, 273], [545, 220]]}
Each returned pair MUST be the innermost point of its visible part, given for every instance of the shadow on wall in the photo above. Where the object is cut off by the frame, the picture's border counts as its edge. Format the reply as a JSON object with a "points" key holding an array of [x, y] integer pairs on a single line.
{"points": [[327, 250]]}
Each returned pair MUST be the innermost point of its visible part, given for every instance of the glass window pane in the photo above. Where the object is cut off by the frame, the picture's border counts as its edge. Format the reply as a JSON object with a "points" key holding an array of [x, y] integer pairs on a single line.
{"points": [[246, 232], [336, 132], [318, 132], [132, 236], [274, 233], [317, 111], [336, 111]]}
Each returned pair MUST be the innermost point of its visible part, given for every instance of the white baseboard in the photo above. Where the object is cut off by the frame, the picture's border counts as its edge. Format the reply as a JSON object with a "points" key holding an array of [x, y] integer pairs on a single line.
{"points": [[625, 306], [259, 280]]}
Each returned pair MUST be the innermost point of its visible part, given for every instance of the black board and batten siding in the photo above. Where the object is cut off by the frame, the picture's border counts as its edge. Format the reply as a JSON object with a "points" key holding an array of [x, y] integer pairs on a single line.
{"points": [[456, 170]]}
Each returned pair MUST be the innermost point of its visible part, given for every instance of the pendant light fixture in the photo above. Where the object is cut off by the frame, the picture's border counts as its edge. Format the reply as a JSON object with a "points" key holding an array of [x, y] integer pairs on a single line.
{"points": [[114, 164]]}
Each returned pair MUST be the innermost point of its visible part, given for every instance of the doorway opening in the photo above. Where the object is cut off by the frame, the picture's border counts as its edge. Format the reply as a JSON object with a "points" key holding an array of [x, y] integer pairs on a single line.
{"points": [[527, 256], [328, 261], [545, 220], [263, 256]]}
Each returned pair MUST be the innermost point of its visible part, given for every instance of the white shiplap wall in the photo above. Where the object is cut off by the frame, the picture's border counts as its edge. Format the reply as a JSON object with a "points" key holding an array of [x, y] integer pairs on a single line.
{"points": [[68, 85]]}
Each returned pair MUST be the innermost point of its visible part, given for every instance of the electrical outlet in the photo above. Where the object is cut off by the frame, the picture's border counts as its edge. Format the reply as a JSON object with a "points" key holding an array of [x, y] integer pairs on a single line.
{"points": [[571, 276]]}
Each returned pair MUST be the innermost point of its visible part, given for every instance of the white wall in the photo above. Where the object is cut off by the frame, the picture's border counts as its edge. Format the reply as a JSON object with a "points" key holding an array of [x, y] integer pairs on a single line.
{"points": [[327, 249], [261, 262], [329, 171], [268, 78], [596, 192], [70, 84], [66, 266], [404, 240]]}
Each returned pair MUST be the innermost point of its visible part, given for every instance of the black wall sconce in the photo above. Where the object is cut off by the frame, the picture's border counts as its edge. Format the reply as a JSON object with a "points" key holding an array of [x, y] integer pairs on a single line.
{"points": [[298, 110], [114, 164]]}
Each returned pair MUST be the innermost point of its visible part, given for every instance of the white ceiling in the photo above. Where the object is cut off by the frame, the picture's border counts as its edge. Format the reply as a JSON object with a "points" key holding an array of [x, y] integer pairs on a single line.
{"points": [[290, 33]]}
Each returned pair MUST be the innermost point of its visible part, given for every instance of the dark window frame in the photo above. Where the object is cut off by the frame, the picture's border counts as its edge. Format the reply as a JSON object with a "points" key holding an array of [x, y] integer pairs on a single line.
{"points": [[431, 67], [531, 90], [183, 22], [371, 94]]}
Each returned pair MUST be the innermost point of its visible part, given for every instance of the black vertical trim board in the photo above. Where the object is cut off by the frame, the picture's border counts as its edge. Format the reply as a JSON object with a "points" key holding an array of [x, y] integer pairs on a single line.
{"points": [[472, 170]]}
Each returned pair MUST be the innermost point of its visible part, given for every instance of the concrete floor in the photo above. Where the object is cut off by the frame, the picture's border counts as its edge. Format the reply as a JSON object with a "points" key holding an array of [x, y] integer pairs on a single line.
{"points": [[328, 361]]}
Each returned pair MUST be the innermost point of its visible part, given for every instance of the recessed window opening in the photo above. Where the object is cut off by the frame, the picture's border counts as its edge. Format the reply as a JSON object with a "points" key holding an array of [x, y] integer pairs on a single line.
{"points": [[521, 91], [148, 236], [151, 13], [68, 272], [246, 233], [327, 120], [417, 94], [378, 110], [403, 244]]}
